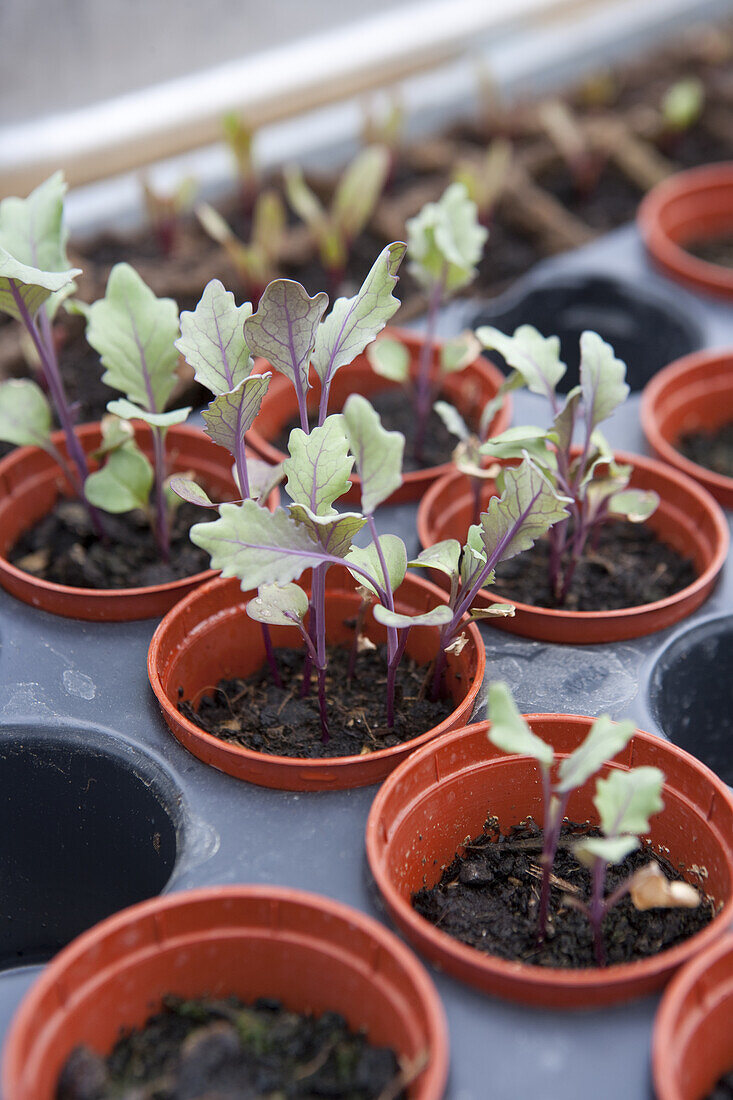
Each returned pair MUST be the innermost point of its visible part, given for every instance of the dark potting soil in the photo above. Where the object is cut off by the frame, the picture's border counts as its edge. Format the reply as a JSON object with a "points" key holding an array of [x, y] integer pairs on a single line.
{"points": [[63, 548], [610, 203], [723, 1089], [488, 899], [716, 250], [398, 415], [714, 450], [259, 715], [198, 1050], [630, 566]]}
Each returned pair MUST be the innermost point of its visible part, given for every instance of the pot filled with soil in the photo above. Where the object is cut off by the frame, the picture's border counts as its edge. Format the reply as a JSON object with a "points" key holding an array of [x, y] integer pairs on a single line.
{"points": [[52, 558], [469, 390], [249, 990], [670, 562], [687, 226], [209, 670], [455, 842], [691, 1050], [687, 417]]}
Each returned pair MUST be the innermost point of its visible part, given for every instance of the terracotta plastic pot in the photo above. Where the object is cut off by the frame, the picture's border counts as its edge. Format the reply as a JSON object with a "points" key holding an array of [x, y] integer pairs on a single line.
{"points": [[209, 636], [253, 941], [687, 518], [469, 390], [693, 394], [443, 794], [31, 483], [690, 207], [691, 1046]]}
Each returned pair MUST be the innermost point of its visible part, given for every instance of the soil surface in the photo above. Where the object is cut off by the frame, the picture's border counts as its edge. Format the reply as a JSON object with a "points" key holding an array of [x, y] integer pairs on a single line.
{"points": [[259, 715], [723, 1089], [488, 899], [63, 548], [714, 450], [717, 250], [397, 414], [630, 566], [228, 1050]]}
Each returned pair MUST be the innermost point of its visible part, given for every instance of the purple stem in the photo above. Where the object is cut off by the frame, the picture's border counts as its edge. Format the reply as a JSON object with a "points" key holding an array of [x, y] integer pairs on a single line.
{"points": [[392, 673], [162, 532], [395, 646], [240, 453], [423, 385], [318, 601], [553, 826], [270, 654], [440, 663], [596, 910]]}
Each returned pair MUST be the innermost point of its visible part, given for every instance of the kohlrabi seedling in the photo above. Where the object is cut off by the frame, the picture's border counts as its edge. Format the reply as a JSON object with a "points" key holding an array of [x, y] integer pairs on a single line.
{"points": [[256, 263], [487, 177], [596, 485], [625, 801], [354, 200], [445, 242]]}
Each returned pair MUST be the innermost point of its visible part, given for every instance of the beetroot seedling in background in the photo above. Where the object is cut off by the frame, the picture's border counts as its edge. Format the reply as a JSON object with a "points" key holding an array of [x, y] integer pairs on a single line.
{"points": [[486, 178], [445, 242], [354, 200], [239, 136], [166, 210], [595, 483], [625, 801], [256, 263]]}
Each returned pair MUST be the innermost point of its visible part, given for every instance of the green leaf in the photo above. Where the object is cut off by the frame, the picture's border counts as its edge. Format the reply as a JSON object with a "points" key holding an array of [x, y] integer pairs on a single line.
{"points": [[683, 103], [439, 616], [262, 477], [390, 359], [354, 322], [123, 483], [335, 533], [302, 199], [510, 732], [212, 339], [128, 410], [377, 452], [115, 434], [605, 739], [601, 378], [635, 505], [33, 285], [473, 559], [190, 491], [25, 414], [445, 241], [357, 192], [458, 352], [524, 512], [514, 442], [318, 466], [453, 420], [494, 611], [279, 605], [257, 546], [565, 420], [285, 327], [33, 232], [513, 381], [395, 557], [135, 333], [536, 358], [625, 800], [230, 415], [443, 556], [612, 849]]}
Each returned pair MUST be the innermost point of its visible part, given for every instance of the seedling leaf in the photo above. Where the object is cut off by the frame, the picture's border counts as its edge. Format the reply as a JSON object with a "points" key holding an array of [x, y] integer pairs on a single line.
{"points": [[445, 241], [510, 732], [33, 285], [535, 357], [212, 339], [128, 410], [458, 352], [390, 359], [377, 452], [25, 414], [601, 378], [605, 739], [231, 415], [190, 491], [453, 420], [625, 800], [357, 192], [635, 505], [335, 533], [123, 483], [443, 556], [526, 509], [438, 616], [395, 557], [611, 849], [318, 466], [279, 605], [284, 328]]}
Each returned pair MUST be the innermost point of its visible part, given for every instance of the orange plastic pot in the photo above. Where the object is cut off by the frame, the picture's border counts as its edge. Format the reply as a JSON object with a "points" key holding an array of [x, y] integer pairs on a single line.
{"points": [[443, 794], [691, 1045], [209, 636], [693, 394], [687, 518], [31, 483], [251, 941], [469, 390], [690, 206]]}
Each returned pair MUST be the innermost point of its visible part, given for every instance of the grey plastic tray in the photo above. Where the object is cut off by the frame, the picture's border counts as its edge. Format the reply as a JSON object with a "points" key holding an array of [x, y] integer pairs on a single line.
{"points": [[77, 713]]}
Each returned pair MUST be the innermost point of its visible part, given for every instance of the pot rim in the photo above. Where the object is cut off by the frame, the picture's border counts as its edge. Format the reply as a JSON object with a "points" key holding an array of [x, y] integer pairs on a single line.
{"points": [[551, 614], [112, 930], [664, 249], [666, 1036], [308, 767], [664, 447], [524, 979]]}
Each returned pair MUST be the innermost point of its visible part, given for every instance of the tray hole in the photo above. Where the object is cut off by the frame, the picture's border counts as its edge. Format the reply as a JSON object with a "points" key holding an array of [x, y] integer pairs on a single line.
{"points": [[88, 827], [691, 694], [644, 330]]}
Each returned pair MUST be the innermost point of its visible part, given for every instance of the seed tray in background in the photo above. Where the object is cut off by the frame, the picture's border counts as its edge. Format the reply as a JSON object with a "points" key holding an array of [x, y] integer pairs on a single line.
{"points": [[101, 806]]}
